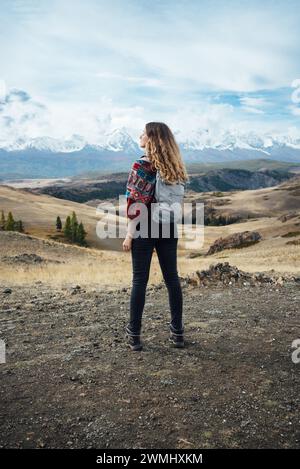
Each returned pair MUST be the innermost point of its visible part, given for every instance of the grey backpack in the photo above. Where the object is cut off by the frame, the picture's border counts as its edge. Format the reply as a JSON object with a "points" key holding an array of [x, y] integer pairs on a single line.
{"points": [[167, 194]]}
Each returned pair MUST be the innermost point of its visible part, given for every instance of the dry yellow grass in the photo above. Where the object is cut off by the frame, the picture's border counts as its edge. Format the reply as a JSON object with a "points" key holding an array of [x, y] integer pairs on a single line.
{"points": [[105, 264], [110, 269], [39, 212]]}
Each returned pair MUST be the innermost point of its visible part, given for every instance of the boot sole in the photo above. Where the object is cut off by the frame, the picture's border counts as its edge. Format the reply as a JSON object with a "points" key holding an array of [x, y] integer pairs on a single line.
{"points": [[135, 348]]}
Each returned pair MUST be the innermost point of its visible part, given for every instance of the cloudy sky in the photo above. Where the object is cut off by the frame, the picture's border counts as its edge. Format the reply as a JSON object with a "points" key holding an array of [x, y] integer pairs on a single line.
{"points": [[86, 67]]}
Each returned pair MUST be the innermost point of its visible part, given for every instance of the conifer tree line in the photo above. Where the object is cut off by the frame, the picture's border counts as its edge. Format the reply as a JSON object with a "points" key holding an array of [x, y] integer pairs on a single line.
{"points": [[73, 230], [9, 223]]}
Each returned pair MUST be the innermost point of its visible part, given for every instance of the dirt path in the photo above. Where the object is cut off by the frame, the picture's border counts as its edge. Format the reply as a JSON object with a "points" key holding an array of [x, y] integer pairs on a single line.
{"points": [[69, 380]]}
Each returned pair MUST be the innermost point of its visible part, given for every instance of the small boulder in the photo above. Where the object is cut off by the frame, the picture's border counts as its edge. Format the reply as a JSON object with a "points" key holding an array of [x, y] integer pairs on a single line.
{"points": [[236, 240]]}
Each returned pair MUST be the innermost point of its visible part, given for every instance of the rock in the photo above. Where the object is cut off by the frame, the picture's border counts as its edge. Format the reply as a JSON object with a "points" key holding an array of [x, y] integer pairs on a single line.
{"points": [[228, 275], [294, 242], [192, 255], [7, 290], [287, 216], [236, 240]]}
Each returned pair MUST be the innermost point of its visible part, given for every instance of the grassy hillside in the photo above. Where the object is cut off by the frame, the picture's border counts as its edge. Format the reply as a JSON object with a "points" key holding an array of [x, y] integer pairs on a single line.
{"points": [[39, 212], [113, 267]]}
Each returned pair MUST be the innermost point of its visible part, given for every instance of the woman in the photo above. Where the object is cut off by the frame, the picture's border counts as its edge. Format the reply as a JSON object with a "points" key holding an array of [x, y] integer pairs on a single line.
{"points": [[161, 153]]}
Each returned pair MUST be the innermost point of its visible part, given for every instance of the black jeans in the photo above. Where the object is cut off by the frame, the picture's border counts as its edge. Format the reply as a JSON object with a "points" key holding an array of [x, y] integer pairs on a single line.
{"points": [[141, 253]]}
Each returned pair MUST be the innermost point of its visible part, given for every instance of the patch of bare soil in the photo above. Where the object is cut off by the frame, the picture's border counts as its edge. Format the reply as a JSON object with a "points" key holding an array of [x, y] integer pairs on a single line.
{"points": [[70, 381]]}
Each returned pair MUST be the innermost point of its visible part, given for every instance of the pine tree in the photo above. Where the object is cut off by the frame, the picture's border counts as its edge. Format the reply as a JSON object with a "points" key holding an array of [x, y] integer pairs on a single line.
{"points": [[67, 228], [19, 226], [10, 222], [74, 227], [58, 224], [2, 221], [81, 234]]}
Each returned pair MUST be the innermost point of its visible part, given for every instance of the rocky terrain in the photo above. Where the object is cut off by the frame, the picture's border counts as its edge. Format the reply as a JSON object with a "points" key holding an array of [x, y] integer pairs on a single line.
{"points": [[70, 381]]}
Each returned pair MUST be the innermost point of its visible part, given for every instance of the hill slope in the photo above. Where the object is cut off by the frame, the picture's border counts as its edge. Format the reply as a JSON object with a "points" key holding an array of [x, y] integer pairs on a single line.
{"points": [[39, 212]]}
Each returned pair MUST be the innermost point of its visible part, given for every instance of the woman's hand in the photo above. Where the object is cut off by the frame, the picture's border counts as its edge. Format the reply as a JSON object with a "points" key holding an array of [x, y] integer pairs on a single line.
{"points": [[127, 243]]}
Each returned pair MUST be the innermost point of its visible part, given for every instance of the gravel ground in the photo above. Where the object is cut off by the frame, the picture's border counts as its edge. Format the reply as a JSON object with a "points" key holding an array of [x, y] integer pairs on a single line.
{"points": [[70, 380]]}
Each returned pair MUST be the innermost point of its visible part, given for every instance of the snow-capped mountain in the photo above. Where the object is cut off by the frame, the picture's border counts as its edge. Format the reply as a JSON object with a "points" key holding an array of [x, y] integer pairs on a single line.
{"points": [[115, 151], [233, 140], [117, 140], [75, 143], [120, 140]]}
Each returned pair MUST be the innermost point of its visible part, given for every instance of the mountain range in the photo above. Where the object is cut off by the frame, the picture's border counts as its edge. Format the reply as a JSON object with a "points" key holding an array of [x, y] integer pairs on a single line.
{"points": [[49, 157]]}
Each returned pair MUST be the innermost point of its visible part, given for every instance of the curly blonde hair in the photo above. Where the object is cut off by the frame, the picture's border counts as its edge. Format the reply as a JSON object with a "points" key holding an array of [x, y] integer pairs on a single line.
{"points": [[164, 154]]}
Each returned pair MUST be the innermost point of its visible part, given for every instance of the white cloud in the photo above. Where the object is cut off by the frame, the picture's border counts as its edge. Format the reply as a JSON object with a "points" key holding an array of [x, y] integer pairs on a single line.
{"points": [[253, 102], [252, 110], [231, 46], [25, 118], [28, 119], [98, 65], [143, 81]]}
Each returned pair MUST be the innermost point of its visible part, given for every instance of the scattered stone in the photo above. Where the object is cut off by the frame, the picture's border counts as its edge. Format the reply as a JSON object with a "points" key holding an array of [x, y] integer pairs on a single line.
{"points": [[75, 289], [229, 275]]}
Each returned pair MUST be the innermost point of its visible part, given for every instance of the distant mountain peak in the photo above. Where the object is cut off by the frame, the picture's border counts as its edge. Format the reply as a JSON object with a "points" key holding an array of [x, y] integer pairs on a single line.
{"points": [[202, 139], [120, 140]]}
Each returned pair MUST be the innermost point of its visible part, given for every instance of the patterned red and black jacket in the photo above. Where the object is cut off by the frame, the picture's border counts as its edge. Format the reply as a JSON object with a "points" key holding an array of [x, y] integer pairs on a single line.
{"points": [[140, 184]]}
